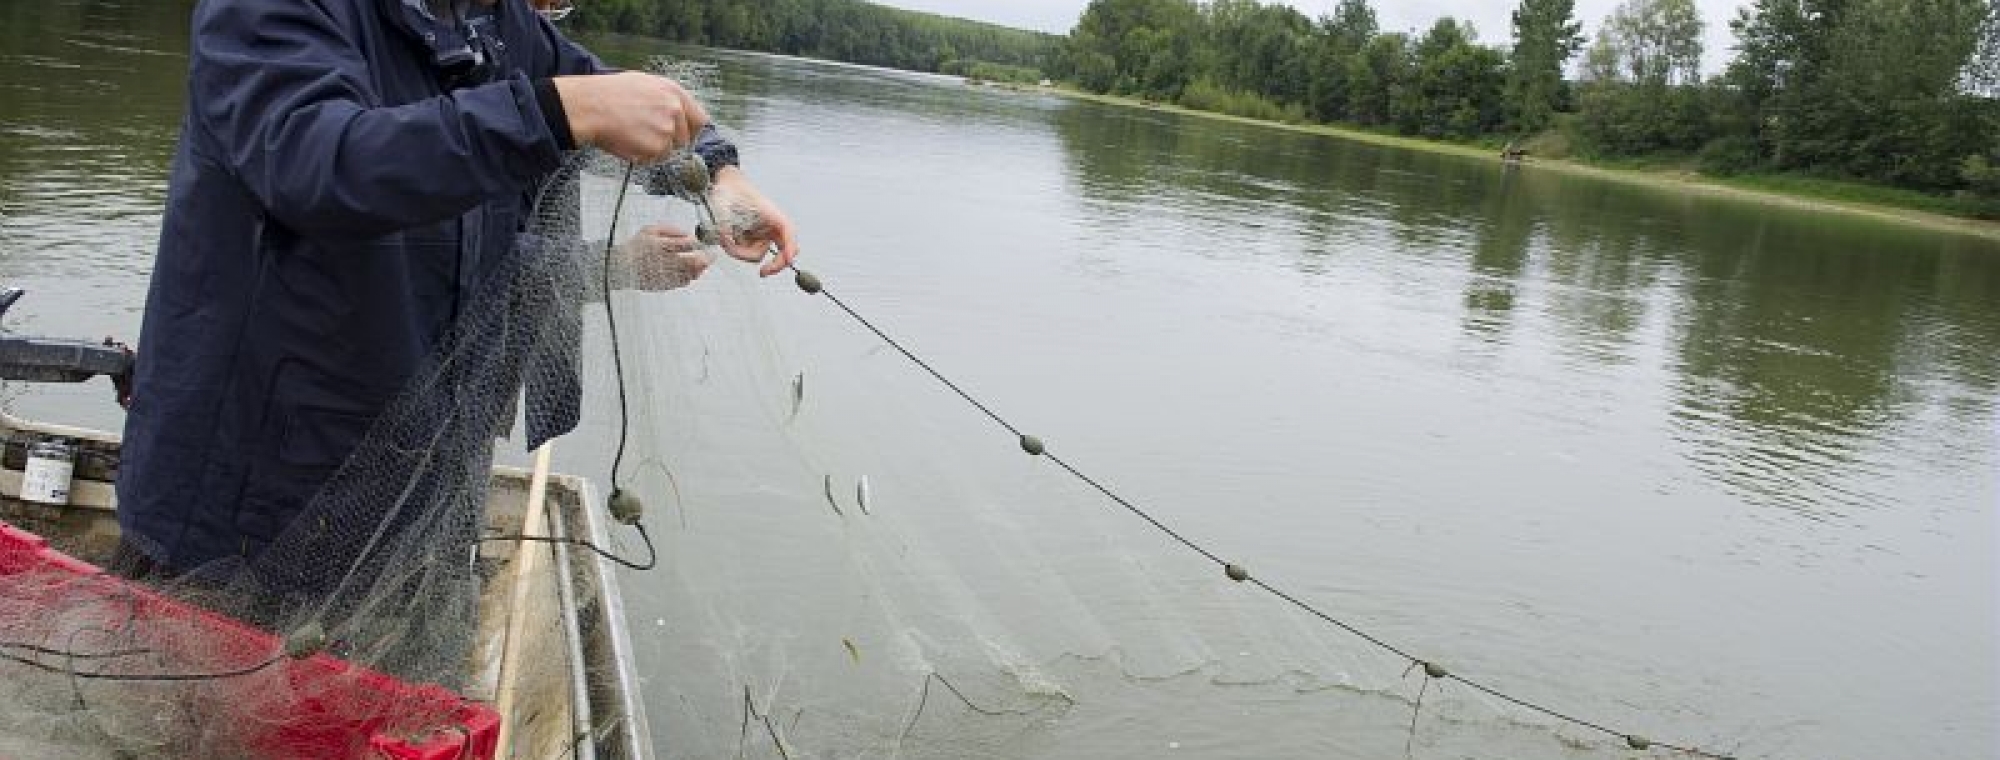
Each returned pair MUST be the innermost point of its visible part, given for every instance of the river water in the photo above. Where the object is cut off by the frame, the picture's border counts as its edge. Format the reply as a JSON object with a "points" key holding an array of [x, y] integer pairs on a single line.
{"points": [[1722, 472]]}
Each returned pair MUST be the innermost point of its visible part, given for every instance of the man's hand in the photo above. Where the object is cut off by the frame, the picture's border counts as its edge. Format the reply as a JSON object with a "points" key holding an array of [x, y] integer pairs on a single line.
{"points": [[635, 116], [658, 258], [751, 224]]}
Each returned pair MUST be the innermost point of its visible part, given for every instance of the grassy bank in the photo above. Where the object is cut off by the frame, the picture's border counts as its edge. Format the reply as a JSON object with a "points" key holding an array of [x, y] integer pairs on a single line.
{"points": [[1791, 191]]}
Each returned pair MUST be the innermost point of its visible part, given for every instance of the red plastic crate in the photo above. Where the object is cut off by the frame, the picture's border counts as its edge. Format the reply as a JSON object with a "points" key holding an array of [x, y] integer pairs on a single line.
{"points": [[338, 704]]}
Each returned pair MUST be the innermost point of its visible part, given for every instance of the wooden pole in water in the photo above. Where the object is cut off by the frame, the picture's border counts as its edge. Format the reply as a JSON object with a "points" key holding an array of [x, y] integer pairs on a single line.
{"points": [[533, 523]]}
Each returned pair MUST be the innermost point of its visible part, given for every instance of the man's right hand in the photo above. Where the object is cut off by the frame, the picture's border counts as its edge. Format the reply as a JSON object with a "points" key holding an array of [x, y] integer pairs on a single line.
{"points": [[632, 115]]}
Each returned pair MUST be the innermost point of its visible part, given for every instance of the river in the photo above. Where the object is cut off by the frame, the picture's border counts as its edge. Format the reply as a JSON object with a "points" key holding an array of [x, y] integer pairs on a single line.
{"points": [[1721, 472]]}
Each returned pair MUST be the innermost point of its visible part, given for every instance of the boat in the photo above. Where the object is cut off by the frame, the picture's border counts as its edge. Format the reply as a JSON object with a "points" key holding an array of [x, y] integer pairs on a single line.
{"points": [[552, 675]]}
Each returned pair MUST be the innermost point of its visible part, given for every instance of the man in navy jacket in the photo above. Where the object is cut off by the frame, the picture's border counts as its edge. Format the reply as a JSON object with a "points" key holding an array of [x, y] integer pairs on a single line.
{"points": [[347, 171]]}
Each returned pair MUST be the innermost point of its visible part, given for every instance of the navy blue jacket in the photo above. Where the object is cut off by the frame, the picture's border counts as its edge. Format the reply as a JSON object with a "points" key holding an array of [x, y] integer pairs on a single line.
{"points": [[347, 169]]}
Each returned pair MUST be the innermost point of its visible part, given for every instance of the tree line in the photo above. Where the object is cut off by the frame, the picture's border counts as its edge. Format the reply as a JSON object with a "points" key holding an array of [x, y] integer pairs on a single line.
{"points": [[1900, 93], [1904, 93], [842, 30]]}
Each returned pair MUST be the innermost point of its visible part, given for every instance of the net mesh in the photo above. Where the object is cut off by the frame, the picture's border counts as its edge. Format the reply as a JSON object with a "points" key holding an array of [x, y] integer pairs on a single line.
{"points": [[848, 567], [383, 570], [386, 570], [854, 566]]}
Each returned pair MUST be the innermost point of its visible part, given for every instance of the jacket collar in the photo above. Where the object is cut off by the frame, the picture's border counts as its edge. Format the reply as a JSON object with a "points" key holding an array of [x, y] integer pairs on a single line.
{"points": [[448, 30]]}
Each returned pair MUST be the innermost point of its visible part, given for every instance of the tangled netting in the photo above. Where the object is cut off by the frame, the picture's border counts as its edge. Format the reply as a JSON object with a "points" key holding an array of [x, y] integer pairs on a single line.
{"points": [[845, 568], [358, 632], [854, 567]]}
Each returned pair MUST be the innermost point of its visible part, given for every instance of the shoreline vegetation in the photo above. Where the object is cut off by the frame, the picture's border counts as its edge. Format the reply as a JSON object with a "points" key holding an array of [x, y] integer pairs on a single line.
{"points": [[1881, 108], [1742, 187]]}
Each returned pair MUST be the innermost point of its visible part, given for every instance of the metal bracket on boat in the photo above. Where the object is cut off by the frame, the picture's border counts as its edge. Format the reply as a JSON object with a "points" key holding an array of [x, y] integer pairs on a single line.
{"points": [[61, 360]]}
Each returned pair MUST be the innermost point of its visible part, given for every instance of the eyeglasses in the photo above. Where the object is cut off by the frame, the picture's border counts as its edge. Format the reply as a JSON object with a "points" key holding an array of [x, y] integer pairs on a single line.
{"points": [[559, 11]]}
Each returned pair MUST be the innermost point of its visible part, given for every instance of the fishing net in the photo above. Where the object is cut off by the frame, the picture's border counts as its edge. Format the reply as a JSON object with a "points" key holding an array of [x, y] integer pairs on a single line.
{"points": [[358, 630], [382, 571], [855, 563], [858, 562], [849, 565]]}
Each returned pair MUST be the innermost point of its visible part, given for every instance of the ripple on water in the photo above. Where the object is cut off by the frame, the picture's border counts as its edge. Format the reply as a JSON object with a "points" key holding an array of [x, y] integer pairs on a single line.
{"points": [[1804, 464], [30, 61], [41, 133], [116, 44]]}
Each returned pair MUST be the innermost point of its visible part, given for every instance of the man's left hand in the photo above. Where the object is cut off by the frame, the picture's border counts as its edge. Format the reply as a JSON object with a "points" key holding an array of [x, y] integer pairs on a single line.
{"points": [[660, 257], [752, 226]]}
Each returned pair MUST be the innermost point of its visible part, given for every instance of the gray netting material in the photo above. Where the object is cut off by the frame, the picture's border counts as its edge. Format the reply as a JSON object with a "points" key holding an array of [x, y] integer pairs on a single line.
{"points": [[854, 565], [850, 566], [1058, 625], [383, 566]]}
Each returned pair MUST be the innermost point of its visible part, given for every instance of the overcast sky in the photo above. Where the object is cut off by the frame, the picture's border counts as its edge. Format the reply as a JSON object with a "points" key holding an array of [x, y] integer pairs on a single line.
{"points": [[1490, 16]]}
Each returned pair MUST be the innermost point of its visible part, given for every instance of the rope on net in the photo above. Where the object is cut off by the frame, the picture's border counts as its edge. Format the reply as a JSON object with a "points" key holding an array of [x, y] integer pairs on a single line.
{"points": [[1034, 446], [692, 184]]}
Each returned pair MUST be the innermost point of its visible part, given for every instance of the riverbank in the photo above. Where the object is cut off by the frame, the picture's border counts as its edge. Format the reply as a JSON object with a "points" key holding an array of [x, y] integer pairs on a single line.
{"points": [[1773, 190]]}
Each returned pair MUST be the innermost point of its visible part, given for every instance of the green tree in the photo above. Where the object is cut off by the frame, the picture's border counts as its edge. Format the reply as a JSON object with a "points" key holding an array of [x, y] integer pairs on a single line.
{"points": [[1901, 92], [1640, 93], [618, 15], [1374, 76], [1603, 60], [1147, 44], [1545, 38], [1087, 62], [1453, 87], [1659, 41], [1866, 89], [1981, 80], [1982, 72], [848, 30], [1252, 47], [1339, 39]]}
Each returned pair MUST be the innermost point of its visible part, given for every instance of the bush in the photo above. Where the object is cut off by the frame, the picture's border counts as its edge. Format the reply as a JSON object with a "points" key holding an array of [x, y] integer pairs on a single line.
{"points": [[1982, 185], [987, 71], [1205, 95], [1730, 155], [1558, 141], [1623, 119]]}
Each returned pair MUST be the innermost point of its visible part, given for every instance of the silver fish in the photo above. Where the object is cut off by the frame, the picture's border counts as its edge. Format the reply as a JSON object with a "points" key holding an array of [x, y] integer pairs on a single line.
{"points": [[861, 494], [798, 393]]}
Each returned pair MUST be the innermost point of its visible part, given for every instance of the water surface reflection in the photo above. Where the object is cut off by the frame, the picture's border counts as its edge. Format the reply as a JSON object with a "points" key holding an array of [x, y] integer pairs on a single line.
{"points": [[1690, 461]]}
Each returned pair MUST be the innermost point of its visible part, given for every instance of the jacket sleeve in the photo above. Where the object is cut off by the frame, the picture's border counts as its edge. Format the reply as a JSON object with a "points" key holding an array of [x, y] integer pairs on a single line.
{"points": [[281, 89]]}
